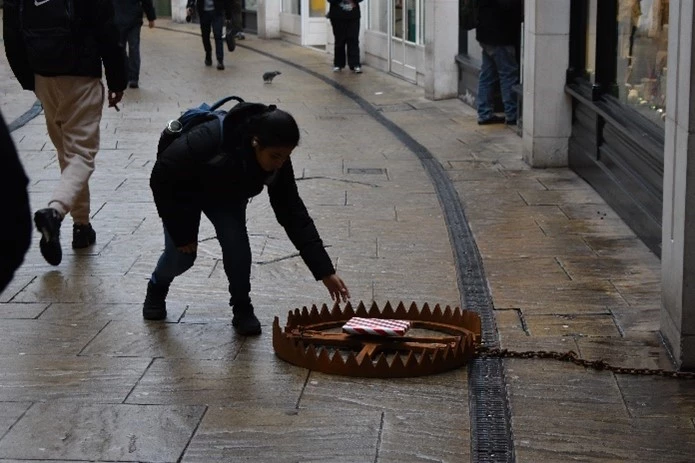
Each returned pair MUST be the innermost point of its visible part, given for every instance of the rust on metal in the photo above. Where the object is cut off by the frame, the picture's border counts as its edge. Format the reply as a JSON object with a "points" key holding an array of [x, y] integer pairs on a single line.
{"points": [[307, 340]]}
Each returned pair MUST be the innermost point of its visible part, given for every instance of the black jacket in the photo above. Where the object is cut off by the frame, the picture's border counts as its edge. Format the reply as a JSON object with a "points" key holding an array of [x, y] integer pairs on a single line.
{"points": [[499, 22], [221, 7], [184, 182], [101, 44], [128, 13], [15, 235], [335, 11]]}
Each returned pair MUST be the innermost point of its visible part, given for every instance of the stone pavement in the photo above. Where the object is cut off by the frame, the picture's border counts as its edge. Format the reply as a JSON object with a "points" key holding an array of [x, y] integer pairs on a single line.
{"points": [[84, 378]]}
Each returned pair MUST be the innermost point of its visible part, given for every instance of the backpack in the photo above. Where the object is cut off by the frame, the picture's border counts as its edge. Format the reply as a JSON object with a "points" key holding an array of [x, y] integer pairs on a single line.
{"points": [[50, 31], [192, 117], [468, 14]]}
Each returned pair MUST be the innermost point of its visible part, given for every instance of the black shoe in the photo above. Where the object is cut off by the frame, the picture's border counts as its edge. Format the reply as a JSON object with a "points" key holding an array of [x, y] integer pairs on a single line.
{"points": [[155, 306], [47, 222], [220, 65], [133, 84], [83, 236], [208, 60], [492, 120], [245, 322]]}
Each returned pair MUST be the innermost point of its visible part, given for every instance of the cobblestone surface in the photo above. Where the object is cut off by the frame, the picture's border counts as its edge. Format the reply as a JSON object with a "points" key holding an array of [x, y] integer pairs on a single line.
{"points": [[83, 377]]}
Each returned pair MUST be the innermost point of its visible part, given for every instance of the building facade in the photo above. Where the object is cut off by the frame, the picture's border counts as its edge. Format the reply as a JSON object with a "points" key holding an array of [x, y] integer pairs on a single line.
{"points": [[606, 89]]}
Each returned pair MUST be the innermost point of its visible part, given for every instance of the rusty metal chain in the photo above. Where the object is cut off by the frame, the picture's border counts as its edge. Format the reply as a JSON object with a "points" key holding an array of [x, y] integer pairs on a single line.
{"points": [[571, 356]]}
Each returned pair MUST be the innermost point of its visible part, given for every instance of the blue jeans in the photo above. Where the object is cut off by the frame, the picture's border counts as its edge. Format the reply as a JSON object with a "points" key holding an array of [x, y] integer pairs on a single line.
{"points": [[211, 20], [131, 37], [230, 224], [499, 64]]}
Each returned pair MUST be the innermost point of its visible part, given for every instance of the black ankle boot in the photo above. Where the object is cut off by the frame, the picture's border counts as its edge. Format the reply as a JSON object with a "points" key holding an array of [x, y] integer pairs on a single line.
{"points": [[155, 306], [245, 322]]}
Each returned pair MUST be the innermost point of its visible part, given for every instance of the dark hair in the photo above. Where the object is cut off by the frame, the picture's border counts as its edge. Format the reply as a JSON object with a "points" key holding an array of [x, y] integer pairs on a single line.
{"points": [[274, 128]]}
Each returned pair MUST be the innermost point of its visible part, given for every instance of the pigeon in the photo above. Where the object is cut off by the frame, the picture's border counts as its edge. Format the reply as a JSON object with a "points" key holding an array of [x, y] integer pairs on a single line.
{"points": [[269, 76]]}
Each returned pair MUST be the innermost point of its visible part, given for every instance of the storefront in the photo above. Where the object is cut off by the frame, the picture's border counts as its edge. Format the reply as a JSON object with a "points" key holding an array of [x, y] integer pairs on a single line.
{"points": [[617, 81], [395, 37]]}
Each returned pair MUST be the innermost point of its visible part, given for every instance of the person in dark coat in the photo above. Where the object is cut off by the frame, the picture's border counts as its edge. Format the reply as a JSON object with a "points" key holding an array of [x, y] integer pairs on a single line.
{"points": [[128, 19], [498, 32], [15, 234], [345, 20], [64, 69], [195, 175], [212, 15]]}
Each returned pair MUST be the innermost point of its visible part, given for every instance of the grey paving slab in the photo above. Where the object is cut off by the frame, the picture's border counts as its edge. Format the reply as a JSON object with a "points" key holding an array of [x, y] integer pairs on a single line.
{"points": [[16, 310], [169, 340], [62, 378], [272, 435], [101, 432], [10, 412], [34, 337]]}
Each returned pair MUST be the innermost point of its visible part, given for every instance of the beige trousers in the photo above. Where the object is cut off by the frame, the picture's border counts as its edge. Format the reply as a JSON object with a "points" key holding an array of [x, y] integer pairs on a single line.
{"points": [[72, 106]]}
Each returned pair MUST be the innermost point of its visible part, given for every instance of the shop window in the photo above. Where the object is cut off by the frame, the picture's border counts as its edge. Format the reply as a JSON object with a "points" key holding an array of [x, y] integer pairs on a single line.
{"points": [[642, 51], [378, 15], [317, 8], [251, 5], [291, 6], [407, 19]]}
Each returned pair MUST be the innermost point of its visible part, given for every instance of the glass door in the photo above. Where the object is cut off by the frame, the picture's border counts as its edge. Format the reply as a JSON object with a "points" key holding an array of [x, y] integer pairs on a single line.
{"points": [[406, 33]]}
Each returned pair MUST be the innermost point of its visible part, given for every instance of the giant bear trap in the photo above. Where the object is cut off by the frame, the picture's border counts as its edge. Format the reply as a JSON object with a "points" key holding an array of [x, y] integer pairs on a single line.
{"points": [[312, 339]]}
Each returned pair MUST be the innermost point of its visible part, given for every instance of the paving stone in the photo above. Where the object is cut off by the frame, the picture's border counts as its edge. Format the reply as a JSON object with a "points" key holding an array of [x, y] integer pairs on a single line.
{"points": [[571, 324], [261, 381], [102, 432], [273, 435], [168, 340], [424, 438], [32, 337], [12, 310], [52, 378], [10, 412], [675, 398]]}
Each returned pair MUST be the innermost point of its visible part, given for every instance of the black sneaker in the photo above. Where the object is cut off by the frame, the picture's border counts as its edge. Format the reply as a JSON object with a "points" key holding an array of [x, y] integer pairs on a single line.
{"points": [[155, 306], [220, 65], [245, 322], [492, 120], [208, 60], [47, 222], [133, 84], [83, 236]]}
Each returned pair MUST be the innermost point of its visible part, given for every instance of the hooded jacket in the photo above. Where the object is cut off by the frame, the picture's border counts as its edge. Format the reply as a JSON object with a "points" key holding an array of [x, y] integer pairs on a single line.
{"points": [[189, 175], [100, 40], [128, 13]]}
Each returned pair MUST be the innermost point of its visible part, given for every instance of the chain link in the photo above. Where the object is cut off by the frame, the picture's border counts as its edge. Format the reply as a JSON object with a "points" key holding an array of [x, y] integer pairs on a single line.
{"points": [[571, 356]]}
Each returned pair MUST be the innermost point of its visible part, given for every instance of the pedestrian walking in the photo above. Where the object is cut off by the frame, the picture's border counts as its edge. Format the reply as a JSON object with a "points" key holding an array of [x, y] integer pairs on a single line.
{"points": [[212, 15], [128, 19], [237, 20], [58, 52], [498, 32], [190, 177], [345, 20], [15, 235]]}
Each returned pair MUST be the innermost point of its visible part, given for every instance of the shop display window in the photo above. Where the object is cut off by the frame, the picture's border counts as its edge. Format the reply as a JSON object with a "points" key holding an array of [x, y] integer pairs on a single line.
{"points": [[291, 6], [642, 44], [378, 15]]}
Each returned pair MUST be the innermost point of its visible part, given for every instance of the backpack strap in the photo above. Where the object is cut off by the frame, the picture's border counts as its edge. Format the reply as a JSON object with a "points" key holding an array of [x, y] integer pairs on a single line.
{"points": [[224, 100]]}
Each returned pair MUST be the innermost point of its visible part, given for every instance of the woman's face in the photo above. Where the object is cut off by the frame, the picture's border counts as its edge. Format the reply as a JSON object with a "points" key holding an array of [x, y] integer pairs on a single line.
{"points": [[271, 158]]}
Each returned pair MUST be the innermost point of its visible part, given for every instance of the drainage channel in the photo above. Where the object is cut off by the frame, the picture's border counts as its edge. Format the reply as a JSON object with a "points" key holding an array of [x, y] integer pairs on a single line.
{"points": [[491, 435]]}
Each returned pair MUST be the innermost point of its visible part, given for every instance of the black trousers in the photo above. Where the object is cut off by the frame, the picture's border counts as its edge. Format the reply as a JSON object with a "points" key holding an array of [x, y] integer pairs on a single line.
{"points": [[347, 35]]}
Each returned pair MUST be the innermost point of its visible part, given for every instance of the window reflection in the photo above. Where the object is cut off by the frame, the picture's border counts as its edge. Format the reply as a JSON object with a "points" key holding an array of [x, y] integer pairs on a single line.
{"points": [[642, 51], [378, 15]]}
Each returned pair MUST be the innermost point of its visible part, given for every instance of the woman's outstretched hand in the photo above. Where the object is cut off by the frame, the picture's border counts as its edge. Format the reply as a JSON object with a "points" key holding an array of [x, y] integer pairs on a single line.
{"points": [[336, 287]]}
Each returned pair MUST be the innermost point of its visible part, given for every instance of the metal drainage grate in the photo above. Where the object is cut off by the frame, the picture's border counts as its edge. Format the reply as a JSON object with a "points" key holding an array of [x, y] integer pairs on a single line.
{"points": [[366, 170]]}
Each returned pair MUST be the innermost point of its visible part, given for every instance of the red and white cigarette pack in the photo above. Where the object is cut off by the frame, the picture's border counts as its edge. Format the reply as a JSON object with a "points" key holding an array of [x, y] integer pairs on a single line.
{"points": [[376, 326]]}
